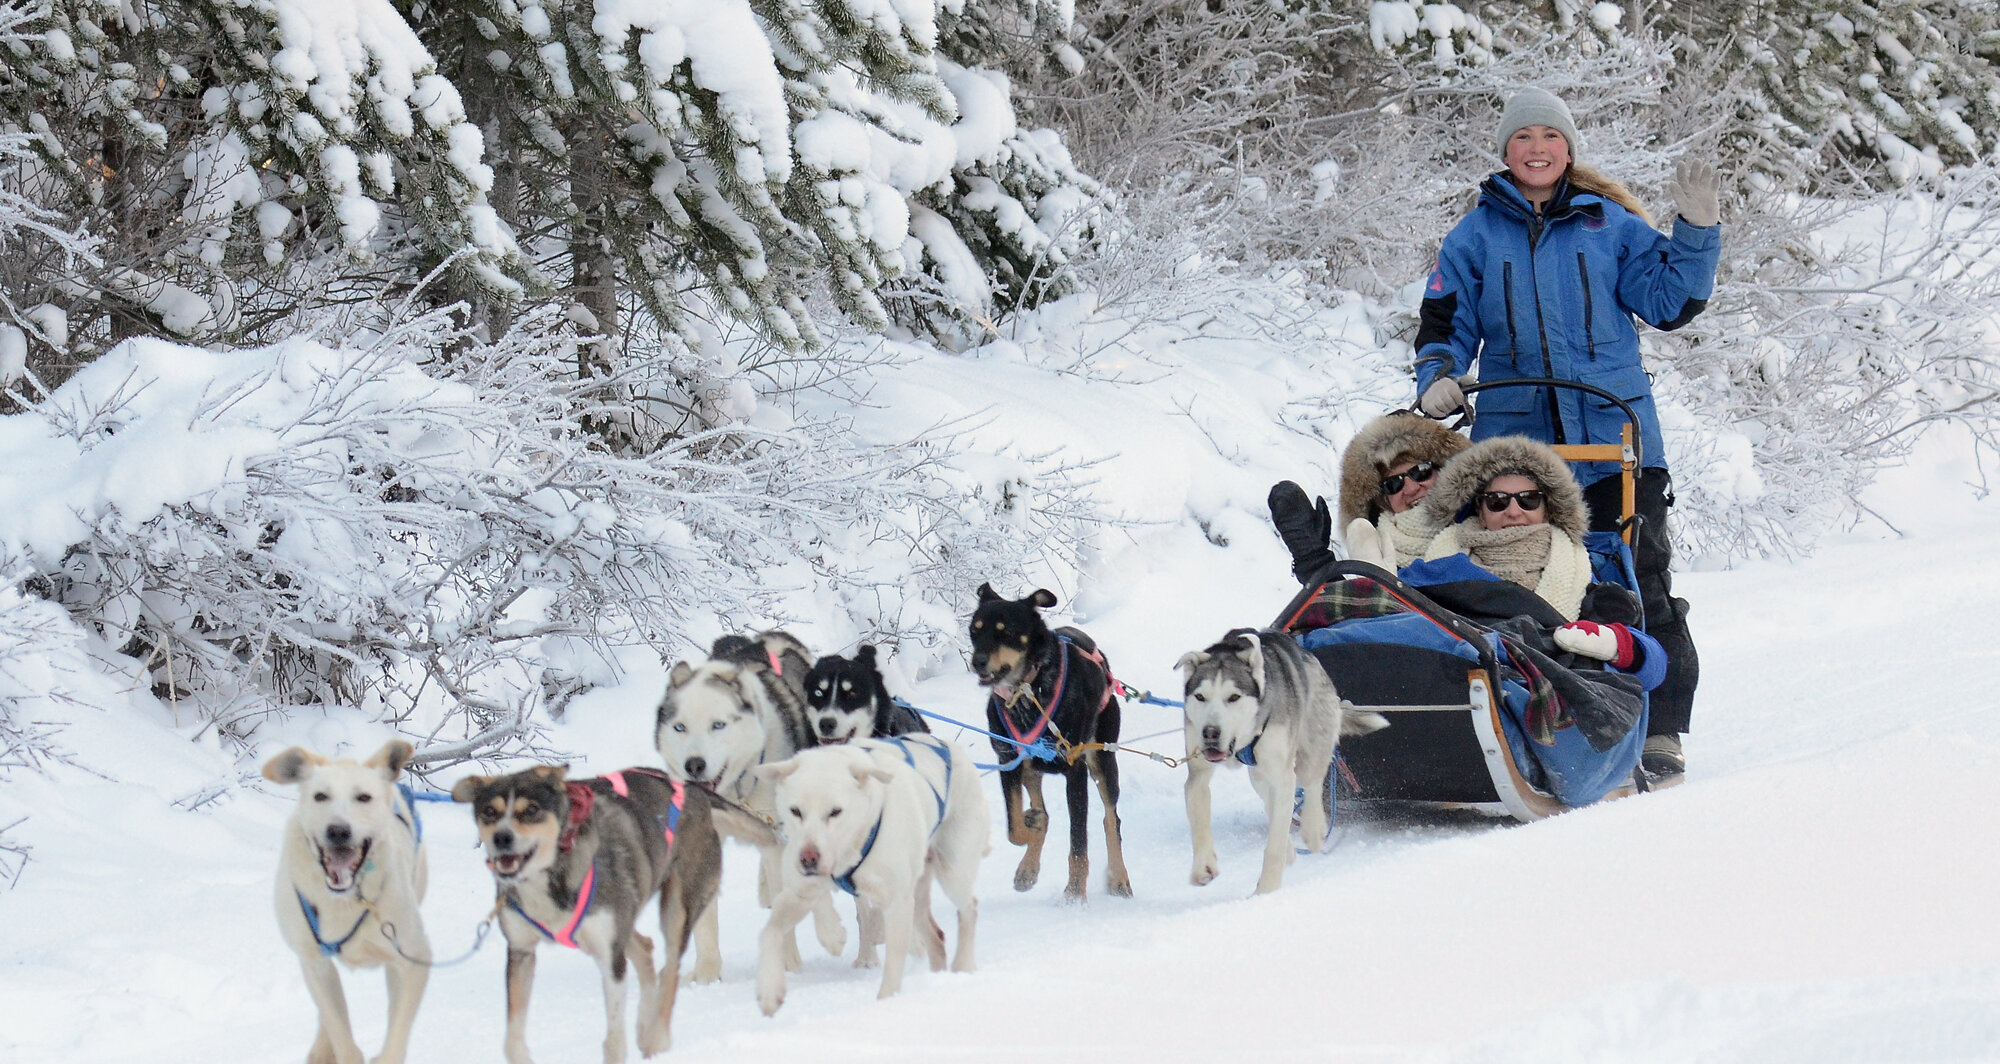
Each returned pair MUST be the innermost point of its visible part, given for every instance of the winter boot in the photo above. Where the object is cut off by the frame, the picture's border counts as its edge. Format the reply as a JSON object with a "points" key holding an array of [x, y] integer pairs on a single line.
{"points": [[1306, 528], [1662, 761]]}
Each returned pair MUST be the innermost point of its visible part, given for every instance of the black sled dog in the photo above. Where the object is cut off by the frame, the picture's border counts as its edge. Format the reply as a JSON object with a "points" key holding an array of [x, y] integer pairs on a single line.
{"points": [[1054, 685]]}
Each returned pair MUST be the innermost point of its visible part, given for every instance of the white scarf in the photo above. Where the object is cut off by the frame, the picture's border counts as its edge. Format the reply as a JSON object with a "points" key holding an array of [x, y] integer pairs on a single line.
{"points": [[1565, 574], [1406, 533]]}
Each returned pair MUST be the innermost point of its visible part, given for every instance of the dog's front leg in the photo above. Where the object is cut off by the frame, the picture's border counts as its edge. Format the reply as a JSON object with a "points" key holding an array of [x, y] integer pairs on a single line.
{"points": [[1311, 767], [520, 980], [335, 1042], [406, 990], [1104, 769], [639, 960], [898, 921], [827, 927], [870, 920], [1200, 778], [707, 946], [1034, 829], [769, 877], [610, 958], [1076, 792], [787, 909], [1272, 778]]}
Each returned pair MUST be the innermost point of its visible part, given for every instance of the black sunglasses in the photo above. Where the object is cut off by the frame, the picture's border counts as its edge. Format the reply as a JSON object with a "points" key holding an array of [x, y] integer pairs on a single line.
{"points": [[1420, 472], [1496, 501]]}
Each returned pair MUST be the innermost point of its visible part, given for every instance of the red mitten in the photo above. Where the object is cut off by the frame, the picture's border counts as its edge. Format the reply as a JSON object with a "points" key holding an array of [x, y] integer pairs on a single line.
{"points": [[1605, 642]]}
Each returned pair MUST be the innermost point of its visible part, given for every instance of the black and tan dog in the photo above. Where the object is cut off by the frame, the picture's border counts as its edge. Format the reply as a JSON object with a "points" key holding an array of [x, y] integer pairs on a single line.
{"points": [[574, 861], [846, 699], [1052, 684]]}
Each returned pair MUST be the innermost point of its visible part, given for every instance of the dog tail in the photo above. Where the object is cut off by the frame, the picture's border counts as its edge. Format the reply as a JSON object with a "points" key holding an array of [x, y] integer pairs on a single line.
{"points": [[1360, 722], [739, 823]]}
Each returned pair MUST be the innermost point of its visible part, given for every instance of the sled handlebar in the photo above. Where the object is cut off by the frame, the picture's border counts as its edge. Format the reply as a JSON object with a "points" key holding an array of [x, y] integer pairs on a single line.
{"points": [[1631, 416]]}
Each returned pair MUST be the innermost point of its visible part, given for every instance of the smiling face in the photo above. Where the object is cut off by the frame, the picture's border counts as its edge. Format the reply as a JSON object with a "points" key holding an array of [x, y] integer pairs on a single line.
{"points": [[345, 808], [1003, 635], [1513, 516], [1412, 491], [520, 818], [840, 697], [706, 729], [1537, 158]]}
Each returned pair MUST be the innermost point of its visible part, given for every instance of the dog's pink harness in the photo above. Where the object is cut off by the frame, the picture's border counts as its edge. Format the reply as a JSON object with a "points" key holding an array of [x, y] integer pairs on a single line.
{"points": [[566, 936]]}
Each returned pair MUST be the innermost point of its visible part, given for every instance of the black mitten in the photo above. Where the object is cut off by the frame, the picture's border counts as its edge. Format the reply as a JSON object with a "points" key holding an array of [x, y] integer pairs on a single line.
{"points": [[1306, 527]]}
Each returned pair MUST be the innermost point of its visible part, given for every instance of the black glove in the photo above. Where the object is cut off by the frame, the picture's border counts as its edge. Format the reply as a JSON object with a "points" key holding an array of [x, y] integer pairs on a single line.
{"points": [[1306, 528]]}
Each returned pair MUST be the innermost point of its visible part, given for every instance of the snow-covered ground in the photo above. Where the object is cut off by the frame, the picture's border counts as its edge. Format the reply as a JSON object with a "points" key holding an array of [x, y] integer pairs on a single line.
{"points": [[1821, 889]]}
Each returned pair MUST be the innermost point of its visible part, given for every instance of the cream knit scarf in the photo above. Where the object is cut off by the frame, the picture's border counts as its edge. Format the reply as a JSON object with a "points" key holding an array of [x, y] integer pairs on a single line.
{"points": [[1540, 557], [1407, 533]]}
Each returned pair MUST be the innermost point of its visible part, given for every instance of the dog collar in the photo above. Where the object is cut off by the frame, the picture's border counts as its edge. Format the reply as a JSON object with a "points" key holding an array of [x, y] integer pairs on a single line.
{"points": [[566, 935], [845, 880], [311, 913]]}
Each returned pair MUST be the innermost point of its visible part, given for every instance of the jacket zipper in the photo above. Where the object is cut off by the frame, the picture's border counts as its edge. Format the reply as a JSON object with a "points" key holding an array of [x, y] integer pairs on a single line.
{"points": [[1589, 342], [1548, 366], [1513, 335]]}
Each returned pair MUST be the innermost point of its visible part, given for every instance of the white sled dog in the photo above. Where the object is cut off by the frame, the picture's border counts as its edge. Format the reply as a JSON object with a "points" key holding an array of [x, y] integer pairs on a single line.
{"points": [[351, 862], [743, 707], [878, 818], [1255, 697]]}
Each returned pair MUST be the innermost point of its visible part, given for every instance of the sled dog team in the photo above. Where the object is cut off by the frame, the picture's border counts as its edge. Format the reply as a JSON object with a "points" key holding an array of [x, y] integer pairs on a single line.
{"points": [[838, 786]]}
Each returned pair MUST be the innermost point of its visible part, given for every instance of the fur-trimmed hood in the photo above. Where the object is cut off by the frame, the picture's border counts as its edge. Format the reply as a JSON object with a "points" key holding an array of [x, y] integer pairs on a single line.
{"points": [[1465, 474], [1394, 437]]}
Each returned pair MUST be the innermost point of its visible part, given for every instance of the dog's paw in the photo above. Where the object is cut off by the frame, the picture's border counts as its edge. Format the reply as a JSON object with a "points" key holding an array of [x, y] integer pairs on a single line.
{"points": [[1074, 895], [1025, 876], [1204, 873], [1119, 887], [653, 1043], [769, 1001], [833, 936], [867, 959]]}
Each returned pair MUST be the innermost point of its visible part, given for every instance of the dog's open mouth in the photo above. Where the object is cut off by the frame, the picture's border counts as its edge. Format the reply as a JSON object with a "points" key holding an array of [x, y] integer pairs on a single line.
{"points": [[509, 865], [342, 865], [1214, 754]]}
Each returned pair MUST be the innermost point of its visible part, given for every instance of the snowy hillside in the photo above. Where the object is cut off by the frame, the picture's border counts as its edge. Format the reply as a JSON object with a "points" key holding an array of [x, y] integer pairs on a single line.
{"points": [[1819, 890]]}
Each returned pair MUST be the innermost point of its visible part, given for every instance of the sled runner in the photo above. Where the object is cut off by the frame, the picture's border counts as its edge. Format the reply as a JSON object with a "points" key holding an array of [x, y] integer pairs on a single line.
{"points": [[1470, 718]]}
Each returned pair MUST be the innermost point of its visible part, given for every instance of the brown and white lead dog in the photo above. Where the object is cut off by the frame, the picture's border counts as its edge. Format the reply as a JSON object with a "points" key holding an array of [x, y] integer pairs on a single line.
{"points": [[351, 861]]}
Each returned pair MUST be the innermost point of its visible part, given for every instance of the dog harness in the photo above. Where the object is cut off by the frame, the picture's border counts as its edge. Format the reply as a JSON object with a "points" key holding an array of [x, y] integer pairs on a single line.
{"points": [[566, 935], [672, 821], [311, 913], [845, 881], [1065, 645]]}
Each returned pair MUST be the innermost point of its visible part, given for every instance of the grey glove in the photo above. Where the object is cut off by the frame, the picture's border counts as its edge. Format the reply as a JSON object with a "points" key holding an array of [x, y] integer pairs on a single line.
{"points": [[1694, 192], [1442, 399]]}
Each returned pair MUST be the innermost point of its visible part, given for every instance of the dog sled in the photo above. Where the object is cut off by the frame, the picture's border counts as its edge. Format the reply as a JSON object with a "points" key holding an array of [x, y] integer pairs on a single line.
{"points": [[1469, 719]]}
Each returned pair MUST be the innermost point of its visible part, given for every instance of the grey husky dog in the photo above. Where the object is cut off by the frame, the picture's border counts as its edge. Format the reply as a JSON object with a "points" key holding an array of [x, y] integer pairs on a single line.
{"points": [[1256, 698], [743, 707], [574, 861]]}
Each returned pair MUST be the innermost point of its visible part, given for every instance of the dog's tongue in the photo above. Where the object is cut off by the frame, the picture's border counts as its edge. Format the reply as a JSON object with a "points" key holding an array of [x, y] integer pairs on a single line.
{"points": [[1214, 755], [341, 867], [507, 863], [1005, 691]]}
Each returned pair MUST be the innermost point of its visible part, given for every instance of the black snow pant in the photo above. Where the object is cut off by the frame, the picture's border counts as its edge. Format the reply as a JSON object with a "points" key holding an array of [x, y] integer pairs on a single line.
{"points": [[1672, 702]]}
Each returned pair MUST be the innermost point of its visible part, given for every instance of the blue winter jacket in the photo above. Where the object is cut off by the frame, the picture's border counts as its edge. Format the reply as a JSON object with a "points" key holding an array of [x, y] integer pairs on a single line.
{"points": [[1553, 295]]}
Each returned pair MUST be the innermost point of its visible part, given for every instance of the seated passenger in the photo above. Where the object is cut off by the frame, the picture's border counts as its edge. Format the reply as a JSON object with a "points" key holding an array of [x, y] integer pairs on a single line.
{"points": [[1385, 472]]}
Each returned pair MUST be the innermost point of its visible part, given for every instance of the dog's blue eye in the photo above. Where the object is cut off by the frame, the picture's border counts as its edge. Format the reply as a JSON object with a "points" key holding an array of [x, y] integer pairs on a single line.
{"points": [[718, 725], [680, 727]]}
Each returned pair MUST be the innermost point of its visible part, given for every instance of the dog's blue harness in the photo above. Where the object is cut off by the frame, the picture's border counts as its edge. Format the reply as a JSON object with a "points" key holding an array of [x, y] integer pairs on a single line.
{"points": [[311, 913], [845, 881]]}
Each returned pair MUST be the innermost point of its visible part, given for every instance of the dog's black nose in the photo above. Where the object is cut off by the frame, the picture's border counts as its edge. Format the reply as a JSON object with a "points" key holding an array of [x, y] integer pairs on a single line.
{"points": [[978, 663], [503, 840], [1211, 734], [339, 835], [697, 768], [826, 725]]}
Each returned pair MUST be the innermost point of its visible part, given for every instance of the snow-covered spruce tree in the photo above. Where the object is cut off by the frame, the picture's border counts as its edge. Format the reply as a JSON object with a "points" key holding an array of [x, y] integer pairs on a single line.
{"points": [[240, 159], [738, 160]]}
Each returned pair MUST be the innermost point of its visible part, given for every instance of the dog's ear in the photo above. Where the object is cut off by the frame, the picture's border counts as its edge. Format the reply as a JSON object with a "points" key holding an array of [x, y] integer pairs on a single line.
{"points": [[1191, 660], [466, 789], [391, 758], [1043, 598], [864, 773], [1253, 656], [680, 675], [987, 594], [291, 766], [550, 773], [774, 773], [865, 654]]}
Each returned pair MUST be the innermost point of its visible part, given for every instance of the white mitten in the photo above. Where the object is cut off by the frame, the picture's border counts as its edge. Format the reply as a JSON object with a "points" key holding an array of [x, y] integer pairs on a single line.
{"points": [[1603, 642], [1364, 544]]}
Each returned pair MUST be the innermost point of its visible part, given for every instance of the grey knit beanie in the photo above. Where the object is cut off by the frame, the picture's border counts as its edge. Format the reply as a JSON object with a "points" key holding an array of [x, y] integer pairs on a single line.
{"points": [[1538, 107]]}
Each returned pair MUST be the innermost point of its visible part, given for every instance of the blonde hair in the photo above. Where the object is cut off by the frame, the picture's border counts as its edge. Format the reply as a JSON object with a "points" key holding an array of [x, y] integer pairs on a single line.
{"points": [[1591, 179]]}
